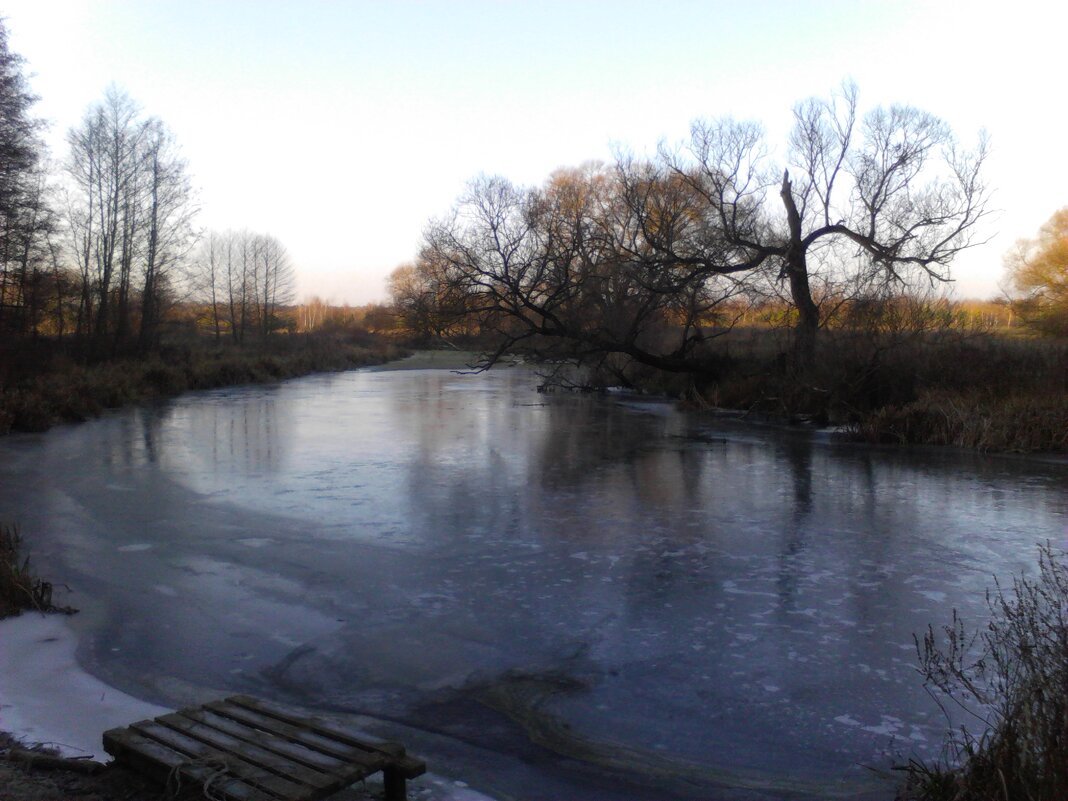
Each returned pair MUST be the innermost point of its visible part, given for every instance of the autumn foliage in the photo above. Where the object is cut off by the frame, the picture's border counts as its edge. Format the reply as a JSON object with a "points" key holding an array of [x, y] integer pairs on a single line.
{"points": [[1039, 272]]}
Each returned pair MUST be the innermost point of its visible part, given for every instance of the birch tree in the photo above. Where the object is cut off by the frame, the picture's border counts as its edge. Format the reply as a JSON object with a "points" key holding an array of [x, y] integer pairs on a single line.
{"points": [[130, 213]]}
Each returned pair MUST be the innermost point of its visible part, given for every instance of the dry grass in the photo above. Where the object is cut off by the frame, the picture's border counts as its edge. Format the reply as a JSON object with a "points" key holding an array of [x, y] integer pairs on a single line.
{"points": [[70, 392], [948, 386], [982, 391], [20, 589], [979, 420], [1012, 678]]}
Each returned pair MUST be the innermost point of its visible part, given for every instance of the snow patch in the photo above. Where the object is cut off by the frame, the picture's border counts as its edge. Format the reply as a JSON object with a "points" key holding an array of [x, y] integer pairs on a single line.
{"points": [[45, 697]]}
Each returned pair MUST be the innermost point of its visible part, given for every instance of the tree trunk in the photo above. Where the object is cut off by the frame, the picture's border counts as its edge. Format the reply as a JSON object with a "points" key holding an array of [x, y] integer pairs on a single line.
{"points": [[808, 313], [796, 267]]}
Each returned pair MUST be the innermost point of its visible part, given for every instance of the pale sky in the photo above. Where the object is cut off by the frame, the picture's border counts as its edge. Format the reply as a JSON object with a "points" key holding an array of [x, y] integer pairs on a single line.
{"points": [[342, 127]]}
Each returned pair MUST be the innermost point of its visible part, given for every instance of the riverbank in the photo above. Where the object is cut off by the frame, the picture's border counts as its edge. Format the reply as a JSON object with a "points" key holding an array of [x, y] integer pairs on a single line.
{"points": [[51, 706], [47, 388], [985, 417], [462, 360], [985, 392]]}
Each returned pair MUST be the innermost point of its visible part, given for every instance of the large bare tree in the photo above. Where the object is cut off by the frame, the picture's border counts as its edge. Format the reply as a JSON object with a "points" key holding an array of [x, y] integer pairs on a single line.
{"points": [[641, 258], [568, 270], [888, 198], [104, 170]]}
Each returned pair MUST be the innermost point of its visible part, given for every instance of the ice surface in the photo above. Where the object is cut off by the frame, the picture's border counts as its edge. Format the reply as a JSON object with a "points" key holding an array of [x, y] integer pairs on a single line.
{"points": [[507, 576]]}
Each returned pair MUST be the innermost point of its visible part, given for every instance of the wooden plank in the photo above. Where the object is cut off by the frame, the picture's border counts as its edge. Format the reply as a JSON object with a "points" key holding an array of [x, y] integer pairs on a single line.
{"points": [[272, 742], [409, 766], [347, 737], [324, 745], [160, 762], [251, 750], [248, 773], [395, 785], [277, 764]]}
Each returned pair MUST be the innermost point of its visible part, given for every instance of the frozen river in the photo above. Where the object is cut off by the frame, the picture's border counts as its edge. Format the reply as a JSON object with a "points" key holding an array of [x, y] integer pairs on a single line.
{"points": [[549, 596]]}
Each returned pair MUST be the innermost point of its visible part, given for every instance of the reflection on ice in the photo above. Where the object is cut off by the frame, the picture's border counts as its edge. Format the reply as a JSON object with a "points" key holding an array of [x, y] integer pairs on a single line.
{"points": [[596, 591]]}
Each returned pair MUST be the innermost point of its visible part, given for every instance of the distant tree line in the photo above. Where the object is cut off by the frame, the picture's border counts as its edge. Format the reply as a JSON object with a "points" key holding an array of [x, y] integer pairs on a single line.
{"points": [[102, 246], [244, 278]]}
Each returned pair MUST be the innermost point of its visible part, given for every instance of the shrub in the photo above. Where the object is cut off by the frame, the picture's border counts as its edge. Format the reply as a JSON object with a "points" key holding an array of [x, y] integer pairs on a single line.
{"points": [[19, 588], [165, 380], [977, 419], [1012, 676], [38, 397]]}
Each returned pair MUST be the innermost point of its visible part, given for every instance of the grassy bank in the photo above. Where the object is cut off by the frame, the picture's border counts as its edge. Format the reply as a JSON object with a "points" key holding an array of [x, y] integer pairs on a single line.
{"points": [[58, 389], [985, 391], [20, 589], [979, 420]]}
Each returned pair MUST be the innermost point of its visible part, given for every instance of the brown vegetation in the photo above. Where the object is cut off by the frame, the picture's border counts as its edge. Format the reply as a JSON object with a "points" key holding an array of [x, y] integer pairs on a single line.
{"points": [[903, 371], [19, 588], [1009, 680], [984, 391], [1038, 269], [980, 420], [53, 388]]}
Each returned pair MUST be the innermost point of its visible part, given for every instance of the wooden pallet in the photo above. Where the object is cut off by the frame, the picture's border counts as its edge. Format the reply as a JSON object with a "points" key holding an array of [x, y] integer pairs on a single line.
{"points": [[245, 749]]}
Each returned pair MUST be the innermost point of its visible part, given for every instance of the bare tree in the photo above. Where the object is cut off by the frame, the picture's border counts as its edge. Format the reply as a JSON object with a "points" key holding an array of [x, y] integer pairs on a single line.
{"points": [[890, 198], [25, 217], [648, 259], [246, 278], [208, 276], [569, 269], [104, 169], [429, 303], [130, 210], [274, 279], [167, 220]]}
